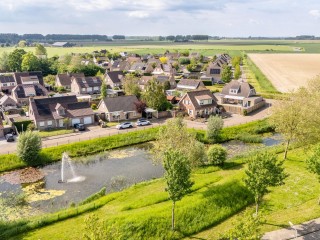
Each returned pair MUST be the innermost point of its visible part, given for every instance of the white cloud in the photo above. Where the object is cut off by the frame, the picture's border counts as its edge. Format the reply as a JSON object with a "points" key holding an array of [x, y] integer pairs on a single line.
{"points": [[138, 14], [315, 13]]}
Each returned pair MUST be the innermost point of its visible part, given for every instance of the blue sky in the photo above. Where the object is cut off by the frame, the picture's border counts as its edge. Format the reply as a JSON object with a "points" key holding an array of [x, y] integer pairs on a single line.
{"points": [[230, 18]]}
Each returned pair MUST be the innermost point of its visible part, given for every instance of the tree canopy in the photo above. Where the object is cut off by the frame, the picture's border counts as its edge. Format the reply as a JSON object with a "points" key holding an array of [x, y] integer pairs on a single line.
{"points": [[154, 96]]}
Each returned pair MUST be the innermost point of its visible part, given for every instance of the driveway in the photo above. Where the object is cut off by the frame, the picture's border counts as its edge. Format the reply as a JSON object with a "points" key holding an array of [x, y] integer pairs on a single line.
{"points": [[96, 131]]}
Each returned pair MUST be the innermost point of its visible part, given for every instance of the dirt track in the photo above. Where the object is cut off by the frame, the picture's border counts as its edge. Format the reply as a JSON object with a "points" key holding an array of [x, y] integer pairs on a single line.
{"points": [[288, 71]]}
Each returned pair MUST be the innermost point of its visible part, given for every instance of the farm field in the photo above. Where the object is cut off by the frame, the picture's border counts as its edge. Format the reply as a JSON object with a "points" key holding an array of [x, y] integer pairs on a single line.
{"points": [[287, 72]]}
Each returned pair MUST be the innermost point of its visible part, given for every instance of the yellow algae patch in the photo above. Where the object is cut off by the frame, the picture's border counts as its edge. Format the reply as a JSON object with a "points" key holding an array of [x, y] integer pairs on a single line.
{"points": [[35, 192]]}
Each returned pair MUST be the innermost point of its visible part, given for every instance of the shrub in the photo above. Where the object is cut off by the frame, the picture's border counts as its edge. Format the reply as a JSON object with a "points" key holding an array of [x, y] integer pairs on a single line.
{"points": [[217, 155], [29, 146], [31, 127], [245, 112], [94, 106], [215, 124]]}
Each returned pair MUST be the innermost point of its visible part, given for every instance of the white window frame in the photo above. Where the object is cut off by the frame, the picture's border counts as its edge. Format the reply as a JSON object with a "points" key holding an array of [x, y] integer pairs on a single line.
{"points": [[49, 123], [96, 88], [42, 124], [83, 89]]}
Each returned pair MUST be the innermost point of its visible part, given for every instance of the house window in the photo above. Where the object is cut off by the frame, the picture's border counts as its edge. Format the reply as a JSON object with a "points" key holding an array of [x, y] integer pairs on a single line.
{"points": [[89, 89], [134, 114], [83, 89], [234, 91], [4, 84], [41, 124], [201, 102], [190, 112], [95, 88], [49, 123]]}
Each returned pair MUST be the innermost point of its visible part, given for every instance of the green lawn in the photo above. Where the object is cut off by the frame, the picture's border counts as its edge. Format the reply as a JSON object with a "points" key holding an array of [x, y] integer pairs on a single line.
{"points": [[55, 132], [143, 211]]}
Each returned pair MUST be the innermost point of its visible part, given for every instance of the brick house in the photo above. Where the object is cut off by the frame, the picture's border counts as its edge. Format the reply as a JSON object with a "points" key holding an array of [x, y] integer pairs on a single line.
{"points": [[119, 108], [86, 85], [200, 103], [114, 79], [64, 79], [56, 112]]}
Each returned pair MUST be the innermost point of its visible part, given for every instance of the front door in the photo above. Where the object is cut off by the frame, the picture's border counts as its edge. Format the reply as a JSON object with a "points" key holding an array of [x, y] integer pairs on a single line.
{"points": [[60, 122]]}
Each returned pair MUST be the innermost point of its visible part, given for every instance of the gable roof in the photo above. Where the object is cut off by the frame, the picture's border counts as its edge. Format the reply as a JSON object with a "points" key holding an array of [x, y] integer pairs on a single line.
{"points": [[85, 82], [121, 103], [243, 88], [115, 76], [189, 83], [65, 78], [29, 90], [19, 75], [6, 99], [45, 108], [7, 79], [200, 95]]}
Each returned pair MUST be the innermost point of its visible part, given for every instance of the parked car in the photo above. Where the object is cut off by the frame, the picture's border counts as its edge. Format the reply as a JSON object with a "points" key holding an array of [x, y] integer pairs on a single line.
{"points": [[9, 137], [143, 122], [79, 126], [124, 125]]}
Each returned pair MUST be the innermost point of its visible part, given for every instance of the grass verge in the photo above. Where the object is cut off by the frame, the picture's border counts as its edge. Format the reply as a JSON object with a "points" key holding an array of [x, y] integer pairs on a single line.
{"points": [[55, 132]]}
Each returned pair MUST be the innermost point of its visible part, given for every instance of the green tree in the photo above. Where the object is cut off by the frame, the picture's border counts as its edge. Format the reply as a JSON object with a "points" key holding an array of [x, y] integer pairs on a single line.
{"points": [[215, 124], [313, 163], [103, 90], [29, 146], [30, 62], [226, 73], [40, 50], [15, 60], [130, 85], [154, 96], [175, 135], [236, 60], [50, 80], [166, 85], [177, 176], [4, 62], [293, 121], [237, 72], [217, 155], [263, 171], [22, 44]]}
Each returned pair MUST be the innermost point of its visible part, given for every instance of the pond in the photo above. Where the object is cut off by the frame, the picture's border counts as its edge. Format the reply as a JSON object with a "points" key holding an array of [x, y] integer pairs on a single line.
{"points": [[114, 170]]}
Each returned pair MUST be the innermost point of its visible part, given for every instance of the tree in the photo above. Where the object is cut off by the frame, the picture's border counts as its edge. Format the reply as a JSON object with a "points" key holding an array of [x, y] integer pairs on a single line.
{"points": [[140, 106], [163, 60], [177, 176], [236, 60], [30, 62], [215, 124], [103, 90], [237, 72], [50, 80], [15, 60], [40, 50], [154, 96], [4, 62], [263, 171], [291, 119], [166, 85], [174, 135], [22, 43], [217, 155], [130, 85], [29, 146], [226, 73], [313, 163]]}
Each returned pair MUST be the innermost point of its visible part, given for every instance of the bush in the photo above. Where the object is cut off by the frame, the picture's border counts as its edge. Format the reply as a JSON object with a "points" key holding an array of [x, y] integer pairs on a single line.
{"points": [[94, 106], [215, 124], [245, 112], [31, 127], [29, 146], [217, 155]]}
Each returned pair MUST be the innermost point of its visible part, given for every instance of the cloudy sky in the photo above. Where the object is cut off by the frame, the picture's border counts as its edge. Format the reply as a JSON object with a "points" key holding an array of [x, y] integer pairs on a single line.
{"points": [[231, 18]]}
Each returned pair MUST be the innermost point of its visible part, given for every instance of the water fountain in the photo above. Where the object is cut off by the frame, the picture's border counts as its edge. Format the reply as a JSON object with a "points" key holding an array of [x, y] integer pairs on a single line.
{"points": [[66, 161]]}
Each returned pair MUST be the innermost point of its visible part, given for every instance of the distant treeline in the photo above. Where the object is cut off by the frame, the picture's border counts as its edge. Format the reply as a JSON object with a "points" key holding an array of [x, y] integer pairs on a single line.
{"points": [[184, 38], [13, 38]]}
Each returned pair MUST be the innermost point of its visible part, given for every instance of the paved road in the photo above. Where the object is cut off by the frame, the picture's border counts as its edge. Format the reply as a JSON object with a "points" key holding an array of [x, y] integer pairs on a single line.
{"points": [[96, 131], [307, 231]]}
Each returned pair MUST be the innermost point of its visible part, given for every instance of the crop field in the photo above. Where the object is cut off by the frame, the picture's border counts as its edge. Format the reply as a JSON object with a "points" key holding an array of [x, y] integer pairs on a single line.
{"points": [[288, 72]]}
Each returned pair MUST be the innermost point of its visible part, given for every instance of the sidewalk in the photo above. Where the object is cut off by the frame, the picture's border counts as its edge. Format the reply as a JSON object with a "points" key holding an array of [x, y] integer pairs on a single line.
{"points": [[307, 231]]}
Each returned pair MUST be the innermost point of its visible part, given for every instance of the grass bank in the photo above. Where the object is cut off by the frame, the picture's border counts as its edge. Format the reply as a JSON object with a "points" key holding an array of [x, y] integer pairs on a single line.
{"points": [[55, 132], [259, 80], [48, 155]]}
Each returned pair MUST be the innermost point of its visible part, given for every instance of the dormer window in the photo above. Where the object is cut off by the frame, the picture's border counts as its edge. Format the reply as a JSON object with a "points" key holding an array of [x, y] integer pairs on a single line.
{"points": [[233, 90], [95, 80], [84, 81], [252, 92]]}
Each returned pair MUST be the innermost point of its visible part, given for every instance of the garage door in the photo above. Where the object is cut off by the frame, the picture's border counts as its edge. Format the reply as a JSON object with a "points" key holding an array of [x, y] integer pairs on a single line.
{"points": [[87, 120], [75, 120]]}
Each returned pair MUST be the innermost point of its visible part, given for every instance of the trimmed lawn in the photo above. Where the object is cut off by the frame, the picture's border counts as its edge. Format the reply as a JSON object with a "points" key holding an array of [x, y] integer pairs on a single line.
{"points": [[55, 132]]}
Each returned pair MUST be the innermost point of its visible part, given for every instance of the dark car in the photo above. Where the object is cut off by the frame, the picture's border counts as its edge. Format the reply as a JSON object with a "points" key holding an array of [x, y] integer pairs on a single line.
{"points": [[9, 137], [79, 126]]}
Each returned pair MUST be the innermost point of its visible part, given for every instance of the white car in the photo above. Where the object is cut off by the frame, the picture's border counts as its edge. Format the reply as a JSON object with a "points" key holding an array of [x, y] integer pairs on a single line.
{"points": [[143, 122], [124, 125]]}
